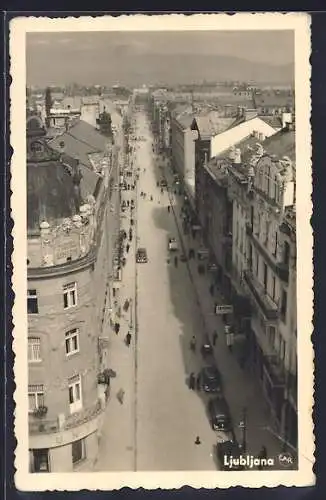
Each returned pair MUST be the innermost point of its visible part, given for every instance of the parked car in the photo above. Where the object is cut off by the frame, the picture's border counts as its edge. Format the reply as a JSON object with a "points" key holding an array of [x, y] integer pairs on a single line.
{"points": [[172, 244], [227, 450], [219, 414], [210, 379], [141, 256]]}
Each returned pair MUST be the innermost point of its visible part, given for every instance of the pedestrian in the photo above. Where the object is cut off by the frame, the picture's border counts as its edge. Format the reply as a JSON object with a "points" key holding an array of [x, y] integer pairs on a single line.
{"points": [[192, 381], [128, 187], [215, 337], [197, 440], [124, 234], [169, 208], [127, 247], [262, 456], [151, 198], [128, 203], [120, 396], [128, 339], [116, 328], [176, 261], [131, 222]]}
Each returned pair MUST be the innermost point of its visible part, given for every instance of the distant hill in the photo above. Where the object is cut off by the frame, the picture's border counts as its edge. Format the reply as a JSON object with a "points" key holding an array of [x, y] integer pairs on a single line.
{"points": [[151, 69]]}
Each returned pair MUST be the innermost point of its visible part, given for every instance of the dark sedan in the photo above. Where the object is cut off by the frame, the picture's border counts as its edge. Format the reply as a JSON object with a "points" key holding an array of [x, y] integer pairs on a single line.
{"points": [[210, 379]]}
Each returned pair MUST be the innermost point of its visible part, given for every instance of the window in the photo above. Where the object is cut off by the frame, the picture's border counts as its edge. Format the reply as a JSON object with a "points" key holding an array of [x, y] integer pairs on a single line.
{"points": [[265, 277], [75, 396], [32, 304], [252, 218], [282, 349], [78, 451], [284, 306], [70, 295], [41, 460], [267, 180], [271, 335], [273, 288], [34, 349], [72, 341], [276, 244], [35, 397], [286, 253]]}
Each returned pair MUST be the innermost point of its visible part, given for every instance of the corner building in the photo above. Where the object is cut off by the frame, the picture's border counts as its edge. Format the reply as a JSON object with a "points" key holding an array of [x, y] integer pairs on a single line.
{"points": [[69, 268]]}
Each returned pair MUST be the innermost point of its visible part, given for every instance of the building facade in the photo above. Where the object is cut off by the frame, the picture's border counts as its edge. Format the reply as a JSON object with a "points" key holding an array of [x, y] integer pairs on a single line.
{"points": [[245, 200], [69, 271]]}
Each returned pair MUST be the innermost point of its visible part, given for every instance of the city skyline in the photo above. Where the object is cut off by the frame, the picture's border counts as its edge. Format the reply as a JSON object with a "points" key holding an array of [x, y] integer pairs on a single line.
{"points": [[133, 58]]}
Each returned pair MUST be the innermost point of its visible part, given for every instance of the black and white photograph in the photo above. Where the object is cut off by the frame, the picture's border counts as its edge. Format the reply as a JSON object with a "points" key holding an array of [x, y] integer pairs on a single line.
{"points": [[161, 198]]}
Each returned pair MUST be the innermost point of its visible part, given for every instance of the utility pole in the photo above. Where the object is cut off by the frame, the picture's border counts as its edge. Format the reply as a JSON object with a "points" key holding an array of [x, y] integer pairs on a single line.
{"points": [[243, 426]]}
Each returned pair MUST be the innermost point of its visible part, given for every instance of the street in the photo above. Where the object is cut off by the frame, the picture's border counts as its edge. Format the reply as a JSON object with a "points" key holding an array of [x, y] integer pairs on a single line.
{"points": [[156, 426]]}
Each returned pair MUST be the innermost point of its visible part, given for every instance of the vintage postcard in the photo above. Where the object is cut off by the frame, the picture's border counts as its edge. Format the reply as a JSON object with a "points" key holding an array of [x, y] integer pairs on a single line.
{"points": [[163, 276]]}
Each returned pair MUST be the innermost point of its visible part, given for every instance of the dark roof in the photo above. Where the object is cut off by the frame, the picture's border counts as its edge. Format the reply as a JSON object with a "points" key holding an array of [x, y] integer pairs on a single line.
{"points": [[281, 144], [51, 195], [212, 124], [272, 120], [79, 141], [55, 188]]}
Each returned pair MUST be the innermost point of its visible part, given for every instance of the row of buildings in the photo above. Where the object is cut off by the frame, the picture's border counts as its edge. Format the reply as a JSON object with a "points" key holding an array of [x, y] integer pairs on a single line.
{"points": [[72, 236], [238, 173]]}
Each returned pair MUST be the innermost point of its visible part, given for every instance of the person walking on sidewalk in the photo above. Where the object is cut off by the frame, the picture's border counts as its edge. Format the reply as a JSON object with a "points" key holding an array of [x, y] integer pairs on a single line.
{"points": [[127, 247], [117, 328], [128, 339], [262, 456], [169, 208], [192, 381], [120, 396], [193, 343]]}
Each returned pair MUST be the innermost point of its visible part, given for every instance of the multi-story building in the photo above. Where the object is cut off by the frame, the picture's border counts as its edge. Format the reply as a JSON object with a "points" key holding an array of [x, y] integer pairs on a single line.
{"points": [[70, 219], [270, 274], [274, 102], [245, 201]]}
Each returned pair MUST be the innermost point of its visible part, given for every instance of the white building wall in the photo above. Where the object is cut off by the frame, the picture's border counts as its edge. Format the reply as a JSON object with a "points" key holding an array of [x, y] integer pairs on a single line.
{"points": [[224, 141]]}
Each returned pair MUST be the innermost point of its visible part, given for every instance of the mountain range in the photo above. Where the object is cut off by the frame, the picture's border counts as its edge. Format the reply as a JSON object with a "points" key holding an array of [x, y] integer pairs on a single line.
{"points": [[136, 69]]}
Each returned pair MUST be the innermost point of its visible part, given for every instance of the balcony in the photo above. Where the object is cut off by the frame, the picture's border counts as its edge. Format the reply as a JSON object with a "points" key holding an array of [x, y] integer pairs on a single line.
{"points": [[49, 426], [262, 300], [275, 370], [281, 269]]}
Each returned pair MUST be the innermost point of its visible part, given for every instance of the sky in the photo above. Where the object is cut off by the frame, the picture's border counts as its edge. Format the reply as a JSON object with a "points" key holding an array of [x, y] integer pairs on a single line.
{"points": [[64, 57]]}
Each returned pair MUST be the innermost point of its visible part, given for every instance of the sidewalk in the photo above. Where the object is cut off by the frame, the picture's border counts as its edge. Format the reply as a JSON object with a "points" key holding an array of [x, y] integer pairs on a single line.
{"points": [[117, 439], [240, 389]]}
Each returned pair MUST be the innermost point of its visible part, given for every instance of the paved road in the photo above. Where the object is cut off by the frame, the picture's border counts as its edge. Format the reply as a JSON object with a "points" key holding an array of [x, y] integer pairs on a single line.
{"points": [[169, 415]]}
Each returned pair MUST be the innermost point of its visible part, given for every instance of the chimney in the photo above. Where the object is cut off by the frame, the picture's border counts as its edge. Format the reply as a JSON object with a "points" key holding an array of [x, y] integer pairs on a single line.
{"points": [[237, 157]]}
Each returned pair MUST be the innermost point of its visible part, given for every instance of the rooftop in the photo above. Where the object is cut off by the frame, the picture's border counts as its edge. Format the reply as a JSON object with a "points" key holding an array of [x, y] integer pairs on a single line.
{"points": [[80, 141], [274, 99], [281, 144], [211, 124]]}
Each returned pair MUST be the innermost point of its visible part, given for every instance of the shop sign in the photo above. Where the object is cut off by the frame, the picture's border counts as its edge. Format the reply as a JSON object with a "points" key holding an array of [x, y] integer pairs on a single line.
{"points": [[66, 249], [224, 309]]}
